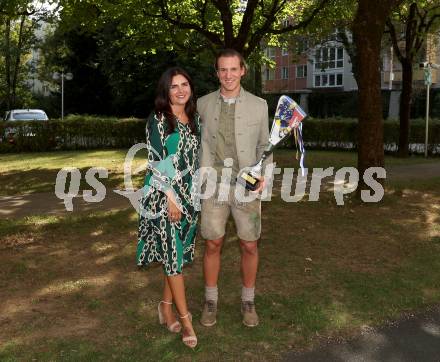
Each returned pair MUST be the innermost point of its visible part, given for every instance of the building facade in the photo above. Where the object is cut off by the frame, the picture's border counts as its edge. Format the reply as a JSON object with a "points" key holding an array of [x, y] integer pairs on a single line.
{"points": [[327, 67], [36, 85]]}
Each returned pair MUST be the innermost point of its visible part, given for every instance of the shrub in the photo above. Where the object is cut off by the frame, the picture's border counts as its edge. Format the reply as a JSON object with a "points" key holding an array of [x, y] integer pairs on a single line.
{"points": [[341, 133], [89, 132], [74, 133]]}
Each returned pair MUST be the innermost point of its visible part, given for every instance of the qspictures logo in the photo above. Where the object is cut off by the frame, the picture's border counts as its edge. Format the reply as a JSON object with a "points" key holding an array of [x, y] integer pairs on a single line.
{"points": [[165, 174]]}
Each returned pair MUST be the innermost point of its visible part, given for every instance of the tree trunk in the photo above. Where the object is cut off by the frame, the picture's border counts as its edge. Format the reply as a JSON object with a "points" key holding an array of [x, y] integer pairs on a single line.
{"points": [[258, 80], [8, 61], [368, 28], [17, 62], [405, 108], [258, 84], [350, 48]]}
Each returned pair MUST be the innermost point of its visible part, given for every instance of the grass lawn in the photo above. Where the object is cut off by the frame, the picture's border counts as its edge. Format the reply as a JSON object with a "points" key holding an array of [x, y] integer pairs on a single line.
{"points": [[36, 172], [70, 289]]}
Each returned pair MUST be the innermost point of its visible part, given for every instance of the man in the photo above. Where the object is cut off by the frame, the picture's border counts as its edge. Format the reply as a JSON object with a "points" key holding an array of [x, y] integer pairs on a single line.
{"points": [[234, 133]]}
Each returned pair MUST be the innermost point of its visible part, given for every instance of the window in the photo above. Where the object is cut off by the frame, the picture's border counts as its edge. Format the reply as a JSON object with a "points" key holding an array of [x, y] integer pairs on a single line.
{"points": [[339, 79], [340, 58], [329, 58], [270, 52], [284, 52], [332, 58], [331, 81], [317, 80], [270, 74], [328, 80], [286, 23], [284, 73], [301, 71]]}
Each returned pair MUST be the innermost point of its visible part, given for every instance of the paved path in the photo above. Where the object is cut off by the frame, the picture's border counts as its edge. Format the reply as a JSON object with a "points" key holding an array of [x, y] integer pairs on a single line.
{"points": [[415, 339], [48, 204], [413, 172]]}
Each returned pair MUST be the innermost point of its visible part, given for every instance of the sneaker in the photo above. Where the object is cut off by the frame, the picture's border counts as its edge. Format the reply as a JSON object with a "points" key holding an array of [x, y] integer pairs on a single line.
{"points": [[250, 316], [209, 314]]}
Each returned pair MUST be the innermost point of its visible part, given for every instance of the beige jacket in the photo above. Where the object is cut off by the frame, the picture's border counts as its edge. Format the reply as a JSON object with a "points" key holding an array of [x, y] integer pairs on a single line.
{"points": [[251, 127]]}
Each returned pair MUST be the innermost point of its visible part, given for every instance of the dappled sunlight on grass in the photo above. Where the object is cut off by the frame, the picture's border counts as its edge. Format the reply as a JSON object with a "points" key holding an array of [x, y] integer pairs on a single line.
{"points": [[28, 221], [60, 159], [96, 233], [36, 172], [340, 318], [70, 286], [101, 247], [432, 217]]}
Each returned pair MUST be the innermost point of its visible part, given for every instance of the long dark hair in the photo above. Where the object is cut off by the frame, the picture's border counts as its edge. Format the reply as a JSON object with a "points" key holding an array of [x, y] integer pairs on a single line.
{"points": [[162, 102]]}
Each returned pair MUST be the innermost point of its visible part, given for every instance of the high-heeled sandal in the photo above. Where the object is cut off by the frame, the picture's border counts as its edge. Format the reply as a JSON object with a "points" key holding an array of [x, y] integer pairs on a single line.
{"points": [[175, 327], [189, 340]]}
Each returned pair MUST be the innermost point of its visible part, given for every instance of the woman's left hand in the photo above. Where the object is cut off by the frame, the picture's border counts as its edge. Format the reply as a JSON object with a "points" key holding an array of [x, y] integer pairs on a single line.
{"points": [[174, 214]]}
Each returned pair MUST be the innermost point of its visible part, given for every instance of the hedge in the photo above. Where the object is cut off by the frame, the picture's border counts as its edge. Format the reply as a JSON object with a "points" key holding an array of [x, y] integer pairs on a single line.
{"points": [[327, 103], [94, 133], [341, 133], [74, 134], [323, 104]]}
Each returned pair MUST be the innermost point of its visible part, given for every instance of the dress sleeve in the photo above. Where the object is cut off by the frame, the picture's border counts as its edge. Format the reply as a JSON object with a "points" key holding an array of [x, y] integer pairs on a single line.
{"points": [[155, 140], [155, 147]]}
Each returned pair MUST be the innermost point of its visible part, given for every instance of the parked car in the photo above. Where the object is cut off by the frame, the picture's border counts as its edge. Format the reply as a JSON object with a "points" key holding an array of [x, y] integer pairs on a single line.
{"points": [[16, 115], [26, 115]]}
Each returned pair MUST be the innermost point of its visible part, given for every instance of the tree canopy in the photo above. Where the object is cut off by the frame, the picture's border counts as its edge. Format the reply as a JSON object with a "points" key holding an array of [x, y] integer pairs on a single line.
{"points": [[198, 24], [19, 19]]}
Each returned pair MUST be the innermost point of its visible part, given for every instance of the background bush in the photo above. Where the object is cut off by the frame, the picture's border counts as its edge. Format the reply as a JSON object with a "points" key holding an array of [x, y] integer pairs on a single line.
{"points": [[345, 104], [341, 133], [74, 133], [89, 132]]}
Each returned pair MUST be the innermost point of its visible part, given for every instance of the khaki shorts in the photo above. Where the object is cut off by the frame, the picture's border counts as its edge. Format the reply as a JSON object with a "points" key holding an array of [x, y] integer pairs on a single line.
{"points": [[215, 215]]}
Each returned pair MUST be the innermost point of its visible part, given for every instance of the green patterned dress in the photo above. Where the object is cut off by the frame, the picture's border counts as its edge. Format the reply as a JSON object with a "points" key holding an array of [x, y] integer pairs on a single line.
{"points": [[172, 164]]}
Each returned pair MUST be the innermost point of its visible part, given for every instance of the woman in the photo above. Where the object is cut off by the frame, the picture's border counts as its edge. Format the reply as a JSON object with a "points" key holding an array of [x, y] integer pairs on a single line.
{"points": [[168, 219]]}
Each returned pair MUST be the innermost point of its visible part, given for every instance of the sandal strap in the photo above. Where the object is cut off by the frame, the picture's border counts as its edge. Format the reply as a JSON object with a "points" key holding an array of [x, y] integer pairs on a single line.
{"points": [[174, 326], [165, 302], [185, 316], [189, 339]]}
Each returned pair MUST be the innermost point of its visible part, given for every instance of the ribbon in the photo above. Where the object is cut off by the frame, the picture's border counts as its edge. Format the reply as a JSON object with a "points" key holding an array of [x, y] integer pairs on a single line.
{"points": [[299, 144]]}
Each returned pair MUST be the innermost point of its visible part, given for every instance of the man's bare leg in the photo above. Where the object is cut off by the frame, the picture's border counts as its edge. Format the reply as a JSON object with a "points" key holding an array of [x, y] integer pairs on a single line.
{"points": [[211, 269], [211, 261], [249, 262], [249, 267]]}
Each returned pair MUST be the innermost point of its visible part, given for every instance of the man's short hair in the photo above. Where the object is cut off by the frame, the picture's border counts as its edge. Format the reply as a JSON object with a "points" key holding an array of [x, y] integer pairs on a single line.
{"points": [[230, 53]]}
